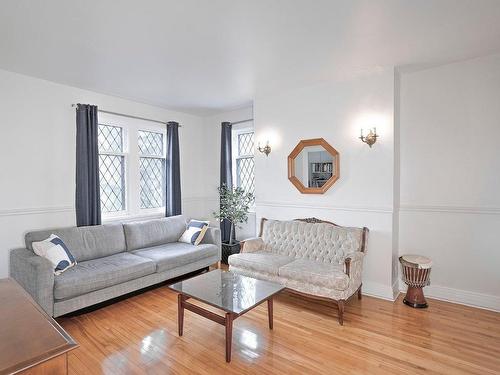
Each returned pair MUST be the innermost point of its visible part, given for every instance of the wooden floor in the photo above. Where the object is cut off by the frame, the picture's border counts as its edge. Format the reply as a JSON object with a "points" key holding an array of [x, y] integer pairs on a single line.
{"points": [[139, 336]]}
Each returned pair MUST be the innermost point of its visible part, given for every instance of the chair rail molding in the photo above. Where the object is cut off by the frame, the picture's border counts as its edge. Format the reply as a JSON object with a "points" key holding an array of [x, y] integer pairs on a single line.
{"points": [[451, 209], [382, 210], [36, 210], [71, 208]]}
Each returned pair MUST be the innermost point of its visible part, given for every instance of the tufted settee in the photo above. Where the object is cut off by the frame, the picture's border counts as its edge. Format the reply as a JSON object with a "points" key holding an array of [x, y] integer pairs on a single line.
{"points": [[308, 256]]}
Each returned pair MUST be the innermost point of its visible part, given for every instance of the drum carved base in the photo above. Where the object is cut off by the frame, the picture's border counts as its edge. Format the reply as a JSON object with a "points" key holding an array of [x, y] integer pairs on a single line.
{"points": [[415, 297]]}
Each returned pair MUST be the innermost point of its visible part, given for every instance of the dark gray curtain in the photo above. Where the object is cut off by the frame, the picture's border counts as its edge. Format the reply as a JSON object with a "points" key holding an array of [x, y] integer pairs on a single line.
{"points": [[226, 172], [173, 171], [88, 201]]}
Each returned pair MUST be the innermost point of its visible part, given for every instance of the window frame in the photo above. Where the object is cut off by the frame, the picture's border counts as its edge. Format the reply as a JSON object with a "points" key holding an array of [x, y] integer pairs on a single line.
{"points": [[130, 130], [125, 155], [163, 157], [238, 129]]}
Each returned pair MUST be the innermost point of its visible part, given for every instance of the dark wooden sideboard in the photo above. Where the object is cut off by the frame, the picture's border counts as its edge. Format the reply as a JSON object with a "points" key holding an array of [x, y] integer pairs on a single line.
{"points": [[31, 342]]}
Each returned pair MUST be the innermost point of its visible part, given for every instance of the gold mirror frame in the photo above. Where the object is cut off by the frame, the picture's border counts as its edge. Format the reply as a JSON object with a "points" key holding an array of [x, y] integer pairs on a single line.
{"points": [[291, 166]]}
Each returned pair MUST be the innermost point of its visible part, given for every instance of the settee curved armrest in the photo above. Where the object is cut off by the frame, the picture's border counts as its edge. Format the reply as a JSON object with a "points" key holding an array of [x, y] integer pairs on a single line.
{"points": [[36, 276], [251, 245], [353, 260]]}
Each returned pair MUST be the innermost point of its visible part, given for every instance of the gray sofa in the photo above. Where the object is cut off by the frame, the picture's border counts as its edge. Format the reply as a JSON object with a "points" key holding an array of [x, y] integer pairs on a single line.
{"points": [[113, 260]]}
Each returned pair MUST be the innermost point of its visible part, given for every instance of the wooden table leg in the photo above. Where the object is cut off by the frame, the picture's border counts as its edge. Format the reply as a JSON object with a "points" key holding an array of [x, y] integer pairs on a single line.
{"points": [[180, 313], [229, 335], [270, 312]]}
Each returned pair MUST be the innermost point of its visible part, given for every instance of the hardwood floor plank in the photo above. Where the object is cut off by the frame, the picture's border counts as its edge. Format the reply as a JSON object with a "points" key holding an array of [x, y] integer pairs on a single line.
{"points": [[138, 335]]}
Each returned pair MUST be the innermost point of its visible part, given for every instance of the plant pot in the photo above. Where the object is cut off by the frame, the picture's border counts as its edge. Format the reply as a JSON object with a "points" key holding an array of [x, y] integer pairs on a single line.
{"points": [[229, 249]]}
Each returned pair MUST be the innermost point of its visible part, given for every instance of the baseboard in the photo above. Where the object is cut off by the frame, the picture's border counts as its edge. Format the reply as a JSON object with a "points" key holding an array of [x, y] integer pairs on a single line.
{"points": [[462, 297], [395, 290], [378, 290]]}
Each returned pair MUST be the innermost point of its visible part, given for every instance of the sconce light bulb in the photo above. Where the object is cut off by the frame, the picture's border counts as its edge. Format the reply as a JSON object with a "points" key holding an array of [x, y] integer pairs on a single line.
{"points": [[265, 150], [370, 138]]}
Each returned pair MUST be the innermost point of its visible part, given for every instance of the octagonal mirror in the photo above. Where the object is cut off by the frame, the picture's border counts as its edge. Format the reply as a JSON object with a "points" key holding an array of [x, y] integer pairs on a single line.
{"points": [[313, 166]]}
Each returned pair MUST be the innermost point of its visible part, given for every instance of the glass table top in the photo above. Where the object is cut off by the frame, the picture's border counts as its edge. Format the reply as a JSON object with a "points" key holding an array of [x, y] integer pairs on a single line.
{"points": [[227, 291]]}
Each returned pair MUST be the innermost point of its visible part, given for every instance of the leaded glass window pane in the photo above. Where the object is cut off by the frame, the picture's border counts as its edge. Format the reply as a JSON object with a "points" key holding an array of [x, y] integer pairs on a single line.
{"points": [[245, 168], [151, 169], [111, 168], [110, 138], [152, 182], [150, 143], [245, 144], [112, 182]]}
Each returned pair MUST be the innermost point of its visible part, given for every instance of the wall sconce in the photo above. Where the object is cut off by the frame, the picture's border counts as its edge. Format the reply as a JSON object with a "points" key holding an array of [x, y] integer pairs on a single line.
{"points": [[371, 137], [265, 150]]}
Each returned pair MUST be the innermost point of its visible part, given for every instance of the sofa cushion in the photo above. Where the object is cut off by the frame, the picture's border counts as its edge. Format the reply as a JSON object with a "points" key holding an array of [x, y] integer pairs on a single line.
{"points": [[176, 254], [56, 251], [328, 275], [85, 243], [100, 273], [260, 261], [149, 233]]}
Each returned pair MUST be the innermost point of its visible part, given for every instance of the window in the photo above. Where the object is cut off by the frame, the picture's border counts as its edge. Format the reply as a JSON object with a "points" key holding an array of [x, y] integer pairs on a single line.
{"points": [[151, 169], [131, 168], [243, 150], [111, 168]]}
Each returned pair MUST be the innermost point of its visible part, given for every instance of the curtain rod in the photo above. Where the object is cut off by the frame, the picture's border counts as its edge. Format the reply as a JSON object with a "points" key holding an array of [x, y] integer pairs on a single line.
{"points": [[129, 116], [242, 121]]}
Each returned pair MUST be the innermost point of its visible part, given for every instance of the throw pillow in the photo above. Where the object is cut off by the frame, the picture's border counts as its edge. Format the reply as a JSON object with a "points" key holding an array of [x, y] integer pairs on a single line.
{"points": [[55, 250], [195, 232]]}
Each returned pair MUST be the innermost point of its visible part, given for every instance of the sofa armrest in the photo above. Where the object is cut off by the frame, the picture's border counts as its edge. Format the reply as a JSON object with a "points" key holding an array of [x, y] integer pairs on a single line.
{"points": [[353, 263], [36, 275], [251, 245], [212, 236]]}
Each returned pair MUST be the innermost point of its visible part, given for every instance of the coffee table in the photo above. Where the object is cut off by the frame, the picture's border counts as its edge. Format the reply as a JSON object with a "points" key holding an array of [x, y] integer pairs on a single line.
{"points": [[227, 291]]}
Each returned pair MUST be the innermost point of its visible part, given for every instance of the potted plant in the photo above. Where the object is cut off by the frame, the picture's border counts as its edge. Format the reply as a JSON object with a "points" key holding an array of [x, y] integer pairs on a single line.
{"points": [[234, 207]]}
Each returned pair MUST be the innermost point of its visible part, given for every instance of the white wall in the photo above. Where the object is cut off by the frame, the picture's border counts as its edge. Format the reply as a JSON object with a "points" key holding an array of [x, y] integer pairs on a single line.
{"points": [[450, 180], [429, 185], [363, 196], [37, 155], [212, 138]]}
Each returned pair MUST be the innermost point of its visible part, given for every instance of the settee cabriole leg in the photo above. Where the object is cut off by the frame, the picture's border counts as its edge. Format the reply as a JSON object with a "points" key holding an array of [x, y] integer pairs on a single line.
{"points": [[340, 304], [359, 292]]}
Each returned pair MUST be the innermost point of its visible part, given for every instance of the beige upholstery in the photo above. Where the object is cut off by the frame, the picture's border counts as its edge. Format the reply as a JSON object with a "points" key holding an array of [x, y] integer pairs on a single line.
{"points": [[318, 242], [309, 272], [306, 257], [252, 244], [260, 261]]}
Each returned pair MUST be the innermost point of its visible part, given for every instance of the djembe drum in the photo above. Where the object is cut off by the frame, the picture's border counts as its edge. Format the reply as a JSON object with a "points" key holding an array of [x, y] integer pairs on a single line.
{"points": [[416, 274]]}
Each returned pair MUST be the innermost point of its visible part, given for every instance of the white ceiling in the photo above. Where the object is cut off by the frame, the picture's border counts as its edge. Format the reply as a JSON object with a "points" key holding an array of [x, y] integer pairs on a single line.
{"points": [[206, 55]]}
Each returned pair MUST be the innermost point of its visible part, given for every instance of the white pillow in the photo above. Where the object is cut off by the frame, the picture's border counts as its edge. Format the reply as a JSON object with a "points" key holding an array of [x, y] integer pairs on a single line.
{"points": [[195, 232], [54, 249]]}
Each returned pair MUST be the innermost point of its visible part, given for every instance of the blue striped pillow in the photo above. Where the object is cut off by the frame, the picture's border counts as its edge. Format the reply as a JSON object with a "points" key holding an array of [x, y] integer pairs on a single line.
{"points": [[194, 232], [55, 250]]}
